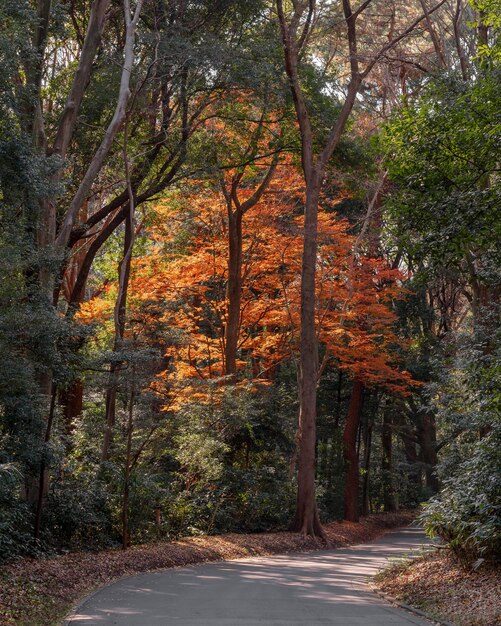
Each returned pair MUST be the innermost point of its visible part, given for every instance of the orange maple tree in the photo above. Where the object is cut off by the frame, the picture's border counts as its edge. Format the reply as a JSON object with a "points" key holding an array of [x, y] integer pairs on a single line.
{"points": [[185, 272]]}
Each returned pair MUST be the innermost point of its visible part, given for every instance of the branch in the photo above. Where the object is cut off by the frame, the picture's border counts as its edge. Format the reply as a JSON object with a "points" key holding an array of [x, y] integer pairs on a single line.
{"points": [[118, 117], [256, 196], [361, 8], [307, 25], [402, 35], [290, 53], [82, 75]]}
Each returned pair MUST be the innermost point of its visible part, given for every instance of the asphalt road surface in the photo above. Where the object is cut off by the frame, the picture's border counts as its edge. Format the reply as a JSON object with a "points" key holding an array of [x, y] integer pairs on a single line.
{"points": [[327, 587]]}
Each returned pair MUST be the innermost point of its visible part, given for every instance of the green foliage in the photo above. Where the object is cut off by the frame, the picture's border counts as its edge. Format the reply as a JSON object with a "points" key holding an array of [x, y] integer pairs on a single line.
{"points": [[442, 153], [467, 514], [78, 511], [467, 511]]}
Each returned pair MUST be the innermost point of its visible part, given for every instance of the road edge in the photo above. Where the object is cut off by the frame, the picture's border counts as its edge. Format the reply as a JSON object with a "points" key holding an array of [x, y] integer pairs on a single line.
{"points": [[408, 607]]}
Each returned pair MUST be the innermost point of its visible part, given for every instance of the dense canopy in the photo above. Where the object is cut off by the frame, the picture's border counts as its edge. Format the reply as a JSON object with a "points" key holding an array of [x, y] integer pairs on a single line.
{"points": [[250, 268]]}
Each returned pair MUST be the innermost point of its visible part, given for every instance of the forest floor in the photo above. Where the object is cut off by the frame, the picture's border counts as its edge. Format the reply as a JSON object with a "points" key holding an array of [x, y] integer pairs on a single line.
{"points": [[40, 592], [438, 585]]}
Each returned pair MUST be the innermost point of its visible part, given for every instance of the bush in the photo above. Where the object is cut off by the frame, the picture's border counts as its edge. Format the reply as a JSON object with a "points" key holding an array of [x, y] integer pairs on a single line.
{"points": [[15, 533], [466, 514]]}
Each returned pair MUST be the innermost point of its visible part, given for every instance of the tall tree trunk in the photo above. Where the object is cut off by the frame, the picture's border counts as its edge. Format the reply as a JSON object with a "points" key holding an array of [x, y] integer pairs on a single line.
{"points": [[295, 23], [43, 482], [409, 440], [367, 464], [71, 401], [428, 450], [233, 292], [127, 471], [351, 513], [389, 496], [115, 366], [307, 521], [120, 304]]}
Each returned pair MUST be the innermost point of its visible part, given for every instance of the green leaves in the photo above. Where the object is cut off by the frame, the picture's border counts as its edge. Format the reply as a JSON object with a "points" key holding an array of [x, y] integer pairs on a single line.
{"points": [[442, 155]]}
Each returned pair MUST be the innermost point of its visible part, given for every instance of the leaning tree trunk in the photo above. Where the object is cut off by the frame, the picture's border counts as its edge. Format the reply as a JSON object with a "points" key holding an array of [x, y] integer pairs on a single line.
{"points": [[351, 513]]}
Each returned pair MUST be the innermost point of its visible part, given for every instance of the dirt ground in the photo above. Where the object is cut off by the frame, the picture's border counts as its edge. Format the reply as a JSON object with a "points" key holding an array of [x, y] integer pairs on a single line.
{"points": [[442, 588], [41, 592]]}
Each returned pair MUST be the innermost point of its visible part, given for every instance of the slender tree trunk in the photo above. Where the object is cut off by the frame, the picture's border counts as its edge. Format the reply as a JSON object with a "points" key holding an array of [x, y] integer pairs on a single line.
{"points": [[367, 463], [120, 309], [428, 445], [113, 378], [409, 440], [43, 483], [127, 470], [71, 401], [233, 291], [457, 38], [389, 499], [351, 513]]}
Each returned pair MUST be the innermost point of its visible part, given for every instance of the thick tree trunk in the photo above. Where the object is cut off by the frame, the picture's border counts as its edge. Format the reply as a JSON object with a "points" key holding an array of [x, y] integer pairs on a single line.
{"points": [[351, 513], [307, 521]]}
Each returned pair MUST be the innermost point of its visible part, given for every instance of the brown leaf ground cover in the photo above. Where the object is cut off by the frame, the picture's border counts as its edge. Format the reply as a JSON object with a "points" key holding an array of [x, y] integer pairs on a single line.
{"points": [[41, 592], [438, 585]]}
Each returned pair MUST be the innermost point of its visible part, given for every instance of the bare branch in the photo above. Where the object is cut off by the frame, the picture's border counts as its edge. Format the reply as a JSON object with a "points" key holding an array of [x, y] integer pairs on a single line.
{"points": [[118, 117], [80, 81], [394, 41]]}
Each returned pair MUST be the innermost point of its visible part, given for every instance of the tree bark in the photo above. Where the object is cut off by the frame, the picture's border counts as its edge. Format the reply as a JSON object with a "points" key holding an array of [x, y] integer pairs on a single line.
{"points": [[307, 520], [118, 118], [43, 482], [351, 512], [127, 471], [81, 79], [233, 292], [428, 450], [120, 305], [389, 499], [71, 400], [367, 464], [236, 211]]}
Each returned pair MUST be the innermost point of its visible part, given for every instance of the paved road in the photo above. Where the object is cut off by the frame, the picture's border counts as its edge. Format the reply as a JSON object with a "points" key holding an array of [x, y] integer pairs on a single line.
{"points": [[315, 588]]}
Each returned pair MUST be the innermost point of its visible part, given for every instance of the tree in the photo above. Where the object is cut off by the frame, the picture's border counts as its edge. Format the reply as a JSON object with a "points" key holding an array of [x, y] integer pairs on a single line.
{"points": [[296, 32]]}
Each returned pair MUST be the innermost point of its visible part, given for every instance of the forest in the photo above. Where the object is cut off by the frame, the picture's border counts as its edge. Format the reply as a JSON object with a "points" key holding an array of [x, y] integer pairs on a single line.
{"points": [[250, 269]]}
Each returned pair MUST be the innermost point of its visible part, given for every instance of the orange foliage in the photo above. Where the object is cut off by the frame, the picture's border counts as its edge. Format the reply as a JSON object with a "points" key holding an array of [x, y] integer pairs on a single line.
{"points": [[186, 271], [181, 279]]}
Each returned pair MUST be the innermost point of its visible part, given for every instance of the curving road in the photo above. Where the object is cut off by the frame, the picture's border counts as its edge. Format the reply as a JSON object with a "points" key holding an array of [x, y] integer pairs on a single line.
{"points": [[307, 589]]}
